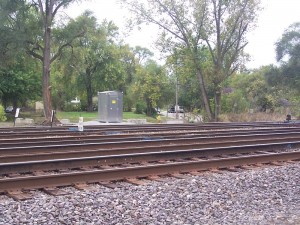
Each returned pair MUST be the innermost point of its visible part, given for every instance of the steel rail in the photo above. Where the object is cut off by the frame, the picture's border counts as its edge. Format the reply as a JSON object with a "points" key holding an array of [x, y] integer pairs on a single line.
{"points": [[139, 136], [115, 158], [121, 126], [121, 143], [65, 179], [119, 149], [114, 128], [128, 128], [213, 124]]}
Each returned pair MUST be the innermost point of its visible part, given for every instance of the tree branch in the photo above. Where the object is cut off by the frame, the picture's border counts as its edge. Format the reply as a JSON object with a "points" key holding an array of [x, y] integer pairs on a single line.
{"points": [[34, 54], [176, 19], [59, 51], [42, 10], [59, 6], [145, 15]]}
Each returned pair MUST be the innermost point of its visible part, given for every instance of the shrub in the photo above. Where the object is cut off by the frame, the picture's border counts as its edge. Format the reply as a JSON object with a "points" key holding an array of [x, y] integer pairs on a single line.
{"points": [[140, 108], [2, 114]]}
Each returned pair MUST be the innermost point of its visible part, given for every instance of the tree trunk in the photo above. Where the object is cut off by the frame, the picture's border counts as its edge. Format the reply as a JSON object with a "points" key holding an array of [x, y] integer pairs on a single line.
{"points": [[89, 99], [217, 90], [149, 108], [217, 104], [89, 90], [46, 74], [204, 94]]}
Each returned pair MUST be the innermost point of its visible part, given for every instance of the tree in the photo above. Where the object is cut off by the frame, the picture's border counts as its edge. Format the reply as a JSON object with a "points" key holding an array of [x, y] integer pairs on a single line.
{"points": [[94, 63], [34, 24], [226, 39], [141, 54], [288, 53], [19, 82], [2, 114], [149, 83], [132, 60], [193, 25], [17, 22], [41, 50], [129, 64]]}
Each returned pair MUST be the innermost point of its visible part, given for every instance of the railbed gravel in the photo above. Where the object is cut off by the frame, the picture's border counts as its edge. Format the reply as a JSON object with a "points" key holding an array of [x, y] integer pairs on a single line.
{"points": [[266, 195]]}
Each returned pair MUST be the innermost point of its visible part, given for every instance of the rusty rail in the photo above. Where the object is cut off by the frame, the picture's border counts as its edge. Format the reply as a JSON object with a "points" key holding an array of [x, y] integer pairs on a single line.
{"points": [[143, 142], [65, 179], [135, 157], [143, 147]]}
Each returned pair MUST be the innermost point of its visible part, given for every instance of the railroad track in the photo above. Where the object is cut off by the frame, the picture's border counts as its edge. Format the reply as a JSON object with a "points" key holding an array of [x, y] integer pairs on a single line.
{"points": [[25, 132], [125, 173], [35, 153], [39, 164]]}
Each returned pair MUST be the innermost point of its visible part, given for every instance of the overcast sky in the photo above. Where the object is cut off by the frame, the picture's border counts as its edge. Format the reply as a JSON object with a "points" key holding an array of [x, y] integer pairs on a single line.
{"points": [[276, 16]]}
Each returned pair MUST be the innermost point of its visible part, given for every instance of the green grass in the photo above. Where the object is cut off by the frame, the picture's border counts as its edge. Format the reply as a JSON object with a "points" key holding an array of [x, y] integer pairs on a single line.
{"points": [[89, 116], [74, 117]]}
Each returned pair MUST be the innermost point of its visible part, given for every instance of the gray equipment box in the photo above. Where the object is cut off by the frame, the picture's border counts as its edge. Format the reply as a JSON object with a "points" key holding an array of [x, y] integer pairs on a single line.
{"points": [[110, 106]]}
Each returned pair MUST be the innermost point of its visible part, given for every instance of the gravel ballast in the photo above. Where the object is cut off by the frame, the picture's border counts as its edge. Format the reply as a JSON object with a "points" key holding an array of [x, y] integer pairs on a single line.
{"points": [[267, 195]]}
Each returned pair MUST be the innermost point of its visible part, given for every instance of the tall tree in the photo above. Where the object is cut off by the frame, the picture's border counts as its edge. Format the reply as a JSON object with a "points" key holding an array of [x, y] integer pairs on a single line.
{"points": [[288, 53], [95, 58], [13, 18], [220, 25], [20, 82], [33, 25], [41, 46], [228, 24], [149, 83]]}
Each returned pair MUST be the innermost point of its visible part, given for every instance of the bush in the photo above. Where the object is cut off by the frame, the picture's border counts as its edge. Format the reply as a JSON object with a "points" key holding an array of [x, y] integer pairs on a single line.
{"points": [[127, 103], [140, 108], [2, 114], [234, 103]]}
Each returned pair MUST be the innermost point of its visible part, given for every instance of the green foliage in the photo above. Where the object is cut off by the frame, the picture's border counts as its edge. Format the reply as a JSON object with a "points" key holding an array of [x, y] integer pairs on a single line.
{"points": [[93, 64], [19, 83], [140, 107], [127, 103], [2, 114], [248, 91], [149, 82], [183, 73], [289, 43], [234, 102], [265, 103], [15, 16], [288, 53], [193, 27]]}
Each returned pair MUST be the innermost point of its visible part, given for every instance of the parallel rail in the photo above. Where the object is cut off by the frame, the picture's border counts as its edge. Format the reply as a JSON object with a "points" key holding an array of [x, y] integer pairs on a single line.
{"points": [[66, 179], [24, 132], [137, 157], [37, 153], [97, 154]]}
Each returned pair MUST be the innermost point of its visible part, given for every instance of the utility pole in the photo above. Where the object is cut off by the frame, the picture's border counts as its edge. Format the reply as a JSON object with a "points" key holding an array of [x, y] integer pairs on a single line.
{"points": [[176, 100]]}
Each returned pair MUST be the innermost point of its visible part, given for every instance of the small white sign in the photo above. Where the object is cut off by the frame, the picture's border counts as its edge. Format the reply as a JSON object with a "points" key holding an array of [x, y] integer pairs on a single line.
{"points": [[17, 112], [80, 124]]}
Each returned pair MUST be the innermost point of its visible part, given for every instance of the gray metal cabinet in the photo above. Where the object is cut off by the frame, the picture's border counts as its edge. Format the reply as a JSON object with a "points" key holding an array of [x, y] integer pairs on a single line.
{"points": [[110, 106]]}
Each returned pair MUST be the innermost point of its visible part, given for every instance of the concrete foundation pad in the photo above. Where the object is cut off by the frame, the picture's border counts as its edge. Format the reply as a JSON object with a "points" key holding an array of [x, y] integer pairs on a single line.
{"points": [[174, 121], [65, 121], [137, 121], [28, 121], [19, 121]]}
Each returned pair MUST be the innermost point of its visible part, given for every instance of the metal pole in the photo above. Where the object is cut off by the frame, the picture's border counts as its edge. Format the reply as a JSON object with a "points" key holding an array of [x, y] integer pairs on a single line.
{"points": [[176, 100]]}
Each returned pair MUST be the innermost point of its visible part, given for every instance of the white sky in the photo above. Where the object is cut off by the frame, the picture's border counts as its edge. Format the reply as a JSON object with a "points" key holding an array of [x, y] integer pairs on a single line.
{"points": [[276, 16]]}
